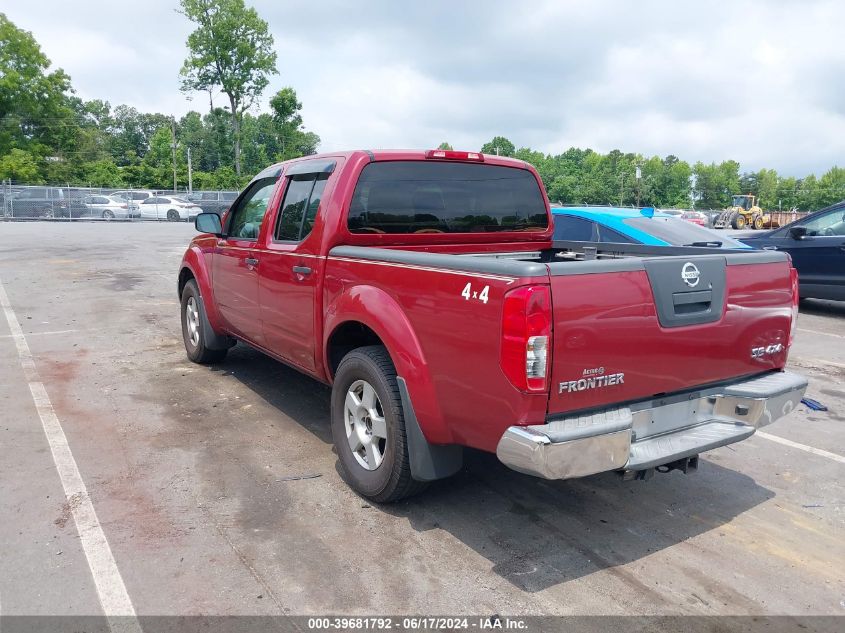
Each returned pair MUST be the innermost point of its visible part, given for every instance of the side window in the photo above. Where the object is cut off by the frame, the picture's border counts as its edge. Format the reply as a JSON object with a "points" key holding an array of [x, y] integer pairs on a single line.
{"points": [[573, 229], [313, 206], [246, 218], [832, 223], [609, 235], [294, 206], [148, 201]]}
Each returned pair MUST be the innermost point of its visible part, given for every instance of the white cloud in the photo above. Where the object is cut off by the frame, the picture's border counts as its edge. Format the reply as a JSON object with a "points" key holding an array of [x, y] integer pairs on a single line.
{"points": [[756, 81]]}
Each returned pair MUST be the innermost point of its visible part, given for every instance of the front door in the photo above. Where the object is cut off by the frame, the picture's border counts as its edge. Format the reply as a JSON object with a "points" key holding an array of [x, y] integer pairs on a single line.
{"points": [[236, 262], [819, 256], [291, 271]]}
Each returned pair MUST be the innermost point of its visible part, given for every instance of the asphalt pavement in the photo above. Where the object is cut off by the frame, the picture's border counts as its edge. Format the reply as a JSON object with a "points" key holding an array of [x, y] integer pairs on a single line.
{"points": [[214, 490]]}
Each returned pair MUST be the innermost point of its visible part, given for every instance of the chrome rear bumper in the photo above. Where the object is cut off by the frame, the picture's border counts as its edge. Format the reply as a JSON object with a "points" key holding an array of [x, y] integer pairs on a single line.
{"points": [[652, 433]]}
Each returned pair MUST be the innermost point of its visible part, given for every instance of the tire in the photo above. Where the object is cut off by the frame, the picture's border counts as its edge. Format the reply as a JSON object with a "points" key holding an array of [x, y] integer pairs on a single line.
{"points": [[173, 215], [48, 213], [390, 479], [739, 222], [108, 215], [193, 335], [758, 222]]}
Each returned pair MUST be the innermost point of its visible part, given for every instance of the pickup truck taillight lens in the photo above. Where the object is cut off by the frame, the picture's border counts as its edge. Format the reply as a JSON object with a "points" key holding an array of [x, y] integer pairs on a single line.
{"points": [[526, 337], [793, 275]]}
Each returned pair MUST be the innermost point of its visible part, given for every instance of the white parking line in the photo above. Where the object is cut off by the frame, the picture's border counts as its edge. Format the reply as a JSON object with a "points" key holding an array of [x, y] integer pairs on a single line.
{"points": [[801, 447], [801, 329], [110, 587]]}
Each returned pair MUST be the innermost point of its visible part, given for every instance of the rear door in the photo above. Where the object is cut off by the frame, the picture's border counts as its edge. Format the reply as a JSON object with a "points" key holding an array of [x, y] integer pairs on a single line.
{"points": [[637, 328], [236, 260], [291, 268], [148, 208]]}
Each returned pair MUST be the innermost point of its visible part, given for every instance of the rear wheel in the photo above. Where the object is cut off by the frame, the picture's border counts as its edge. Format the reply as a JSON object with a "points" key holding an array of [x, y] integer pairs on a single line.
{"points": [[758, 222], [108, 215], [368, 427], [173, 215], [48, 213], [193, 332]]}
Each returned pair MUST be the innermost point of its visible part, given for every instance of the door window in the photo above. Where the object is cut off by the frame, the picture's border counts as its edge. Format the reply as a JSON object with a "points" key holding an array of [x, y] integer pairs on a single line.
{"points": [[832, 223], [609, 235], [573, 229], [246, 219], [299, 208]]}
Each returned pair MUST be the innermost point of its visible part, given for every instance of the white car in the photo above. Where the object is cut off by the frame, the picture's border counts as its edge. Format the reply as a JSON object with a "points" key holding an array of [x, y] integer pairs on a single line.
{"points": [[109, 208], [136, 196], [170, 208]]}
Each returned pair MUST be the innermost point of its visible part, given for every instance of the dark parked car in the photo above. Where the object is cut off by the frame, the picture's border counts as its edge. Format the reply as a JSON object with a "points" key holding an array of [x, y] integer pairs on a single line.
{"points": [[817, 246], [213, 201], [38, 202]]}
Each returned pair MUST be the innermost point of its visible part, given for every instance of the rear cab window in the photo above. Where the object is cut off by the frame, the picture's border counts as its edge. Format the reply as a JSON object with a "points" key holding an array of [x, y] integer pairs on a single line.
{"points": [[406, 197]]}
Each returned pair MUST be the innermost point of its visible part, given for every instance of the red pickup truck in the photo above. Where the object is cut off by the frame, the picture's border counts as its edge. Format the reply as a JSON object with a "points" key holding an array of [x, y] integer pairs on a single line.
{"points": [[425, 287]]}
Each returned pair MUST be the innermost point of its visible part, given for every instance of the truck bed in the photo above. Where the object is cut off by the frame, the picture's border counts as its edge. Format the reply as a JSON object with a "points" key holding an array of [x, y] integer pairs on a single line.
{"points": [[620, 311]]}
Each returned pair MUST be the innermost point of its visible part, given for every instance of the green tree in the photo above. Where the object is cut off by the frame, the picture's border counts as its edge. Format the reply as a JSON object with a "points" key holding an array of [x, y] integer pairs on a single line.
{"points": [[231, 48], [102, 173], [20, 166], [35, 112], [831, 187], [499, 145], [445, 146]]}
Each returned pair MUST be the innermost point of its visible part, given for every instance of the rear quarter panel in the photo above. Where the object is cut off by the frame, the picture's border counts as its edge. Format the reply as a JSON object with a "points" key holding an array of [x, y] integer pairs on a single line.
{"points": [[445, 345]]}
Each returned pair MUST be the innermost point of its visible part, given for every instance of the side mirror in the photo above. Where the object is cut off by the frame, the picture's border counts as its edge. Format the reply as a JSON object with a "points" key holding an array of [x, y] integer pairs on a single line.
{"points": [[798, 232], [209, 223]]}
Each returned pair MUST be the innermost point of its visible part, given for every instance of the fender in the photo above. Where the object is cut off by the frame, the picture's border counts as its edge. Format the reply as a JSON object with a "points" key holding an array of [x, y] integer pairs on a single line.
{"points": [[383, 315], [195, 261]]}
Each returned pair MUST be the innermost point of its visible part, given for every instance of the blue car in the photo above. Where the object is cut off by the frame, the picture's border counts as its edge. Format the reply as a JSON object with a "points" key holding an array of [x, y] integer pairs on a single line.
{"points": [[634, 226], [817, 246]]}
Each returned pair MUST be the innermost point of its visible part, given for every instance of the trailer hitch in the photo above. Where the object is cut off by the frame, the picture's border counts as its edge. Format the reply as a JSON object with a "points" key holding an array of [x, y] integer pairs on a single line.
{"points": [[685, 465]]}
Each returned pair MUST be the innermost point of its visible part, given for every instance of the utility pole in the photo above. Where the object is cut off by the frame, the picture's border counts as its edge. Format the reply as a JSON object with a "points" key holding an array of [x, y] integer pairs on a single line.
{"points": [[639, 174], [497, 150], [621, 189], [173, 149], [190, 174]]}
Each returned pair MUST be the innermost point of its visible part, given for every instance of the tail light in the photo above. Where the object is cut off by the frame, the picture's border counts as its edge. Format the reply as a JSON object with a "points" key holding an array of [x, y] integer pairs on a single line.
{"points": [[526, 338], [793, 277]]}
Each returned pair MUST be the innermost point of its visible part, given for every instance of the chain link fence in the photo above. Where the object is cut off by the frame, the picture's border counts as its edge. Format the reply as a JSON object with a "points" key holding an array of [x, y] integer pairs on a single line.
{"points": [[66, 204], [56, 203]]}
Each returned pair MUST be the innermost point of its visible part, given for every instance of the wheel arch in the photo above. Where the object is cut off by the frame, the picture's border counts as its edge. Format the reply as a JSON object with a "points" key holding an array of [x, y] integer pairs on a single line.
{"points": [[195, 266], [366, 315]]}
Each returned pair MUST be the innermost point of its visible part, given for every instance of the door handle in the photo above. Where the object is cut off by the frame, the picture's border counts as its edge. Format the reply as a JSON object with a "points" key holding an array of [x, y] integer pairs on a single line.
{"points": [[770, 248], [302, 270], [251, 262]]}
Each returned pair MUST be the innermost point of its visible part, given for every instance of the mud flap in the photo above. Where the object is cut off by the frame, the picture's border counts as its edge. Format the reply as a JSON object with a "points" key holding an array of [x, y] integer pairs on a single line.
{"points": [[212, 339], [428, 461]]}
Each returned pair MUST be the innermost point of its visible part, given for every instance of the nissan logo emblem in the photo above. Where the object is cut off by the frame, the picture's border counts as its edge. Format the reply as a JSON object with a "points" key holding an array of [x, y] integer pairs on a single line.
{"points": [[690, 274]]}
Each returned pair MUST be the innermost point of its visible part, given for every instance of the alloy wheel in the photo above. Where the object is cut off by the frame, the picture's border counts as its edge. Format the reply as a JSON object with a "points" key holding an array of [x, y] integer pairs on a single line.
{"points": [[192, 318], [366, 427]]}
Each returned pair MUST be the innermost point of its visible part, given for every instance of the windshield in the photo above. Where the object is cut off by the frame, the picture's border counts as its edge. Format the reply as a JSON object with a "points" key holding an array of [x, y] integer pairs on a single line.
{"points": [[679, 232], [442, 197]]}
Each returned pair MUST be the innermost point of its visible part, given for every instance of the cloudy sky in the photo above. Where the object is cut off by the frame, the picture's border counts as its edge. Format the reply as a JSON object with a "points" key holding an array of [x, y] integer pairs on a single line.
{"points": [[762, 82]]}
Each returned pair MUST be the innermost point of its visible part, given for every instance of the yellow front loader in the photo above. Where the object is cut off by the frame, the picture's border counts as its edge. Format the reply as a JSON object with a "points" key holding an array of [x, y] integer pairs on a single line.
{"points": [[743, 213]]}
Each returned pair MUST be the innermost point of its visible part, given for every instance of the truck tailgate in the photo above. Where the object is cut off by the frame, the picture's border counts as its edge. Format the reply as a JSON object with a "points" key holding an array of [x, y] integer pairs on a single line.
{"points": [[635, 328]]}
